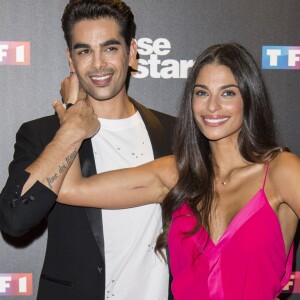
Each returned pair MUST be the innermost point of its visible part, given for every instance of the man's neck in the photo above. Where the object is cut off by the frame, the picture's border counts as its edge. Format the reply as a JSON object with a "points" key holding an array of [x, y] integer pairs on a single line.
{"points": [[115, 108]]}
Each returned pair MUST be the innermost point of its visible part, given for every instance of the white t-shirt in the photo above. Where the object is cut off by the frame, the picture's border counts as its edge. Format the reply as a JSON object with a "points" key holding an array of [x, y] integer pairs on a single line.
{"points": [[133, 270]]}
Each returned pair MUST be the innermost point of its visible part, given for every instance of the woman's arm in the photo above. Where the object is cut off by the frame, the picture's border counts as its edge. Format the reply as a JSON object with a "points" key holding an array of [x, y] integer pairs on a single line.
{"points": [[286, 175], [146, 184]]}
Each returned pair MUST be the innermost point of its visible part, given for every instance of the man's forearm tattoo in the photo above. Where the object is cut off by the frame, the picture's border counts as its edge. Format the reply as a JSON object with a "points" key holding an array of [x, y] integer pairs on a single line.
{"points": [[70, 158], [61, 169], [51, 180]]}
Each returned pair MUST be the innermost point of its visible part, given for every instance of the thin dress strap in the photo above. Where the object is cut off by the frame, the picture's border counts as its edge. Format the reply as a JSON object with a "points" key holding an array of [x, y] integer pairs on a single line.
{"points": [[266, 173]]}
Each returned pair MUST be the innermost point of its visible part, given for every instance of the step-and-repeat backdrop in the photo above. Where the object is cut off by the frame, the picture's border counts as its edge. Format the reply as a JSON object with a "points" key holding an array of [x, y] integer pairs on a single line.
{"points": [[170, 34]]}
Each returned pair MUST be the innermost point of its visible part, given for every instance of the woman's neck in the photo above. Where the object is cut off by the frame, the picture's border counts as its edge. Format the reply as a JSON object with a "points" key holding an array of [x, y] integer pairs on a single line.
{"points": [[226, 158]]}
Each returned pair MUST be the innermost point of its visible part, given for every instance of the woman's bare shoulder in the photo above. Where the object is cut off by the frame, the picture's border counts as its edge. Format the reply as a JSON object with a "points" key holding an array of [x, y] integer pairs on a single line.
{"points": [[165, 169], [285, 175], [166, 161], [285, 171], [286, 162], [162, 162]]}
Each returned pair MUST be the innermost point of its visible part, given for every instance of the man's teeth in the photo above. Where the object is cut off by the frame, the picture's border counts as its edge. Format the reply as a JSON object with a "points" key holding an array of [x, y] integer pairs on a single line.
{"points": [[100, 77]]}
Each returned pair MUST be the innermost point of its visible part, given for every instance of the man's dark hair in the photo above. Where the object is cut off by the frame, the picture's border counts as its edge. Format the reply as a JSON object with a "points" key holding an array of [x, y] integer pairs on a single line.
{"points": [[78, 10]]}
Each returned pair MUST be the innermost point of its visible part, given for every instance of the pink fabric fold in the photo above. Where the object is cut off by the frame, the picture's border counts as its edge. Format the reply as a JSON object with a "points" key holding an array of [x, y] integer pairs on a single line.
{"points": [[248, 262]]}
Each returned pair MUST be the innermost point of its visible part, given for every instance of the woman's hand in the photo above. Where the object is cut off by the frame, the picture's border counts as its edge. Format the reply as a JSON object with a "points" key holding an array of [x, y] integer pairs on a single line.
{"points": [[70, 89]]}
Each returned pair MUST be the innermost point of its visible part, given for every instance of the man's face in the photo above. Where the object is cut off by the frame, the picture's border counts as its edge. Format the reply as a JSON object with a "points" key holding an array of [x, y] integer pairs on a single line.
{"points": [[100, 58]]}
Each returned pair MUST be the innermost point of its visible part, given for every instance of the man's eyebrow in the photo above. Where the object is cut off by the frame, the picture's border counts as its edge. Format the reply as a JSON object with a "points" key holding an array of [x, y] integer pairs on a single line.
{"points": [[80, 46], [102, 45], [110, 42]]}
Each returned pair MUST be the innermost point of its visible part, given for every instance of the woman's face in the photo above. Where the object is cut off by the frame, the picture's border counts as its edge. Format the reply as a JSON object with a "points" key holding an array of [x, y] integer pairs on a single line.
{"points": [[217, 103]]}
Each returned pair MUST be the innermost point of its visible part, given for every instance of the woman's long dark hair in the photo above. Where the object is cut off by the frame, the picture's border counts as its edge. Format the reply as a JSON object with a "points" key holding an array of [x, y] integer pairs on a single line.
{"points": [[256, 140]]}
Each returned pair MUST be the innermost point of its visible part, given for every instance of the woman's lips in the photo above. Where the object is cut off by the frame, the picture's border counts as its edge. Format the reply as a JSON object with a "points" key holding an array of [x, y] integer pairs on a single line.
{"points": [[215, 121]]}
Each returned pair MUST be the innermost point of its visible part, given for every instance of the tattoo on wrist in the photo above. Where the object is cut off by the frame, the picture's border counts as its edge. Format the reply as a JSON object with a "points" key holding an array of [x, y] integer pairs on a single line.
{"points": [[70, 158], [51, 180], [61, 169]]}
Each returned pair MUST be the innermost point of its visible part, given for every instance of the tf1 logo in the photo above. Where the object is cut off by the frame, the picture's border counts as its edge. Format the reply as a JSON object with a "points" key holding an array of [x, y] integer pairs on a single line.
{"points": [[281, 57], [293, 286], [15, 53], [15, 284]]}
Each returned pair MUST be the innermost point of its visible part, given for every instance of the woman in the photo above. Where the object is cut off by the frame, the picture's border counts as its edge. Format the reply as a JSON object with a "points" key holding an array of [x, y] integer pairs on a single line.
{"points": [[229, 194]]}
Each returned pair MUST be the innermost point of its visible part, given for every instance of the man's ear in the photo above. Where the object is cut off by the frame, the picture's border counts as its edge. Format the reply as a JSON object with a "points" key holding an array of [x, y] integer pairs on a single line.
{"points": [[71, 65], [132, 53]]}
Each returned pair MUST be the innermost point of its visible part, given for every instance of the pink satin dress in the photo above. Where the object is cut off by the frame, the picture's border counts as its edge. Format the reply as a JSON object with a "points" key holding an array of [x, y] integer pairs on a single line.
{"points": [[248, 262]]}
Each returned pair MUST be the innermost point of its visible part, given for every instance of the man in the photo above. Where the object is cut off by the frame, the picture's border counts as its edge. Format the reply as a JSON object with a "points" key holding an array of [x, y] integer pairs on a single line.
{"points": [[91, 253]]}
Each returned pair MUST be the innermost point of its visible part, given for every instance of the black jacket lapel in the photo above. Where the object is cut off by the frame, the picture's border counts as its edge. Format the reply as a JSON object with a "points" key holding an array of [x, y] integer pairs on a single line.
{"points": [[88, 168], [155, 130]]}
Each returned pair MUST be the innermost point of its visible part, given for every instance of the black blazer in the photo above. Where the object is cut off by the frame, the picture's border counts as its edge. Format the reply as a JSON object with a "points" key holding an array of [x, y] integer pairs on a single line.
{"points": [[74, 265]]}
